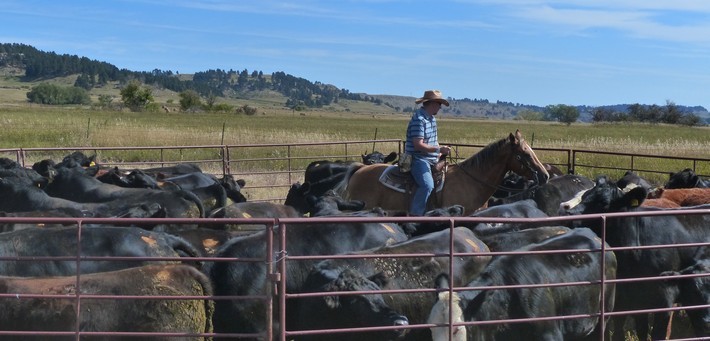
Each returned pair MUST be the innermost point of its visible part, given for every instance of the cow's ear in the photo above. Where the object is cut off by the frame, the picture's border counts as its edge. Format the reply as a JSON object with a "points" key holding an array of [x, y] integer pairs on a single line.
{"points": [[241, 182], [635, 197], [391, 157], [380, 279]]}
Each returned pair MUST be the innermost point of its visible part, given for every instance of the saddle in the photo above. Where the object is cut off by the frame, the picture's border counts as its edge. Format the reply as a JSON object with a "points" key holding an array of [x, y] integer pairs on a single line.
{"points": [[403, 182]]}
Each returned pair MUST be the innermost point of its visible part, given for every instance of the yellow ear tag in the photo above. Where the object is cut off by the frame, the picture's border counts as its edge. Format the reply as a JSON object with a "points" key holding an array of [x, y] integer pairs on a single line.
{"points": [[246, 215], [634, 202], [92, 164]]}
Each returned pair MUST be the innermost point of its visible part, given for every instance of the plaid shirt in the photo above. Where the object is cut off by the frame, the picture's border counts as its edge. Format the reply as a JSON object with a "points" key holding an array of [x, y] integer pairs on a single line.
{"points": [[422, 125]]}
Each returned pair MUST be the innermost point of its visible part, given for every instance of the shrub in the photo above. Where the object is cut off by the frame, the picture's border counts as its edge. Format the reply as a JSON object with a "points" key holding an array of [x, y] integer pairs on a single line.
{"points": [[46, 93], [247, 110]]}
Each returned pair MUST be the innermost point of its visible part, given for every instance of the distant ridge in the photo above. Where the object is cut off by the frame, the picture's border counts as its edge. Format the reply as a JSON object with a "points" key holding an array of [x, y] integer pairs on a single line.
{"points": [[31, 65]]}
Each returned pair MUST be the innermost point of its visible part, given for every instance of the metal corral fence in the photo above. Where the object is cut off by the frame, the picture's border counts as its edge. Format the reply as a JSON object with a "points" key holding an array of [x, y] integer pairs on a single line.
{"points": [[274, 296], [270, 169]]}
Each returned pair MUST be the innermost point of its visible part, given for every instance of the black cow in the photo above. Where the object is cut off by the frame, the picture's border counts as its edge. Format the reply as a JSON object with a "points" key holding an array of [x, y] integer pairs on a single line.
{"points": [[482, 304], [553, 170], [10, 168], [146, 210], [256, 209], [57, 213], [377, 157], [206, 240], [77, 160], [214, 192], [330, 204], [606, 197], [182, 316], [79, 187], [45, 168], [321, 176], [526, 208], [168, 171], [695, 290], [103, 241], [549, 195], [631, 179], [512, 183], [114, 176], [139, 179], [509, 240], [421, 228], [413, 272], [17, 197], [344, 311], [686, 178], [318, 170], [297, 196], [246, 278]]}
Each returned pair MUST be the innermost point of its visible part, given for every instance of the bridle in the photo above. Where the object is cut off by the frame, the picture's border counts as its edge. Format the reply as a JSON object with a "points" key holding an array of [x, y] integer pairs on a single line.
{"points": [[526, 163]]}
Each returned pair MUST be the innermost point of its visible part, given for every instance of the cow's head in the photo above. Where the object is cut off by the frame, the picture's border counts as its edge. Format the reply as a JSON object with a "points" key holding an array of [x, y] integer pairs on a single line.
{"points": [[377, 157], [233, 188], [331, 203], [348, 311], [695, 291], [683, 179], [606, 197]]}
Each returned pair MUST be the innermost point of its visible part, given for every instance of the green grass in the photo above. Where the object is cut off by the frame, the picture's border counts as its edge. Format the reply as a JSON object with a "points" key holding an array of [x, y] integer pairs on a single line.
{"points": [[34, 126]]}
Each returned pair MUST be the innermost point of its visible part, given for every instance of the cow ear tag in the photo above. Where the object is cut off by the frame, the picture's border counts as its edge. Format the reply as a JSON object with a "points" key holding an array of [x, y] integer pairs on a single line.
{"points": [[634, 202]]}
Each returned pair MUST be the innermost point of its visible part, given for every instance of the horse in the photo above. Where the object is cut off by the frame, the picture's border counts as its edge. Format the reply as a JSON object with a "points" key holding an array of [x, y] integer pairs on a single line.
{"points": [[468, 183]]}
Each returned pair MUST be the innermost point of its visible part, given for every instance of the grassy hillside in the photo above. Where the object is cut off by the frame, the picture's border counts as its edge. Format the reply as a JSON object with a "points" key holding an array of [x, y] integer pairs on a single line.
{"points": [[30, 125]]}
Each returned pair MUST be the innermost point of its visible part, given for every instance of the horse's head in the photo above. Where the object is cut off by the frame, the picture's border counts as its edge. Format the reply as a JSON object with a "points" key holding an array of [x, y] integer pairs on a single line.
{"points": [[523, 160]]}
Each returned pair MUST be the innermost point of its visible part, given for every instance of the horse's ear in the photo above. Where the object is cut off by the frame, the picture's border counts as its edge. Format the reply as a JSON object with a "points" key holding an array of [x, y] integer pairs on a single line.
{"points": [[513, 140], [518, 134]]}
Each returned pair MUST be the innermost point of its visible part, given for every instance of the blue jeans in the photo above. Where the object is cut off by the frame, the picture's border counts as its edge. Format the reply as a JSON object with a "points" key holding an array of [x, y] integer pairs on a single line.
{"points": [[421, 171]]}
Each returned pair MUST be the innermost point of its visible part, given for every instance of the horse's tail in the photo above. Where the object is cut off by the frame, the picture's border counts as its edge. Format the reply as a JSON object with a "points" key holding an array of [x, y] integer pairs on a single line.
{"points": [[342, 186]]}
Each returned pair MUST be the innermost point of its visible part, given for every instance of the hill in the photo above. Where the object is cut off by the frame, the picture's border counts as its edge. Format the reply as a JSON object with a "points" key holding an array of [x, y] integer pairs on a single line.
{"points": [[23, 67]]}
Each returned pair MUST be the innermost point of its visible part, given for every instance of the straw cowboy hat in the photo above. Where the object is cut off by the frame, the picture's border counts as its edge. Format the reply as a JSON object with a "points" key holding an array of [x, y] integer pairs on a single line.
{"points": [[432, 95]]}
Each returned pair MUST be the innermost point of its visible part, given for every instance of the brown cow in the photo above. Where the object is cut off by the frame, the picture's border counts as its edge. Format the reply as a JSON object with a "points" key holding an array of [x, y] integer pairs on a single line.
{"points": [[682, 196], [21, 313], [660, 203]]}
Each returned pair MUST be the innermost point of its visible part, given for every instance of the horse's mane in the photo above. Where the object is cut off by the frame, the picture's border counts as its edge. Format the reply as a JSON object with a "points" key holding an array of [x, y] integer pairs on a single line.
{"points": [[485, 156]]}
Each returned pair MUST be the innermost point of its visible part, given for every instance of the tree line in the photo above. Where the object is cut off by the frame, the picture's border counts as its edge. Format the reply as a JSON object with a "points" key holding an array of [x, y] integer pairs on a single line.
{"points": [[653, 114], [92, 73]]}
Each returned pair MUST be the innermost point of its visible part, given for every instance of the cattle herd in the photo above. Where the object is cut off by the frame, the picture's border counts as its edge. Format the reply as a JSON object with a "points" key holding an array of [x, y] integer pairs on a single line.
{"points": [[453, 278]]}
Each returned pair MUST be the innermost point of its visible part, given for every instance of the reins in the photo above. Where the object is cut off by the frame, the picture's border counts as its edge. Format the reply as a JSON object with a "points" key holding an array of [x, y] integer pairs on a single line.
{"points": [[495, 187]]}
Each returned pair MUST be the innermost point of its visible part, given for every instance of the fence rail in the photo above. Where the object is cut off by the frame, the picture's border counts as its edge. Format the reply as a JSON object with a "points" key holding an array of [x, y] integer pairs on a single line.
{"points": [[270, 169], [284, 164], [276, 265]]}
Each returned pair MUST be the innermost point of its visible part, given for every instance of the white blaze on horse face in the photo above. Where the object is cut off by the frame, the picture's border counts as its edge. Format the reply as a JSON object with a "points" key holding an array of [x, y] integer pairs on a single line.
{"points": [[540, 167], [440, 315], [572, 203]]}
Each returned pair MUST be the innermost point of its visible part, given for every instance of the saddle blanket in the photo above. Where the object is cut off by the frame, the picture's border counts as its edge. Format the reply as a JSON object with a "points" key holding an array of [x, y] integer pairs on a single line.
{"points": [[392, 178]]}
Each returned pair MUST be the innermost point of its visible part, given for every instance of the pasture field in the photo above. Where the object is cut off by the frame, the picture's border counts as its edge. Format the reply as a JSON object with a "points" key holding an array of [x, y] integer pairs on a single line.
{"points": [[35, 126]]}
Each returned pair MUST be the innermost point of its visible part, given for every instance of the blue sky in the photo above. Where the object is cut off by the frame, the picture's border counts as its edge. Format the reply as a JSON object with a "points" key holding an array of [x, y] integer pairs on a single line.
{"points": [[575, 52]]}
